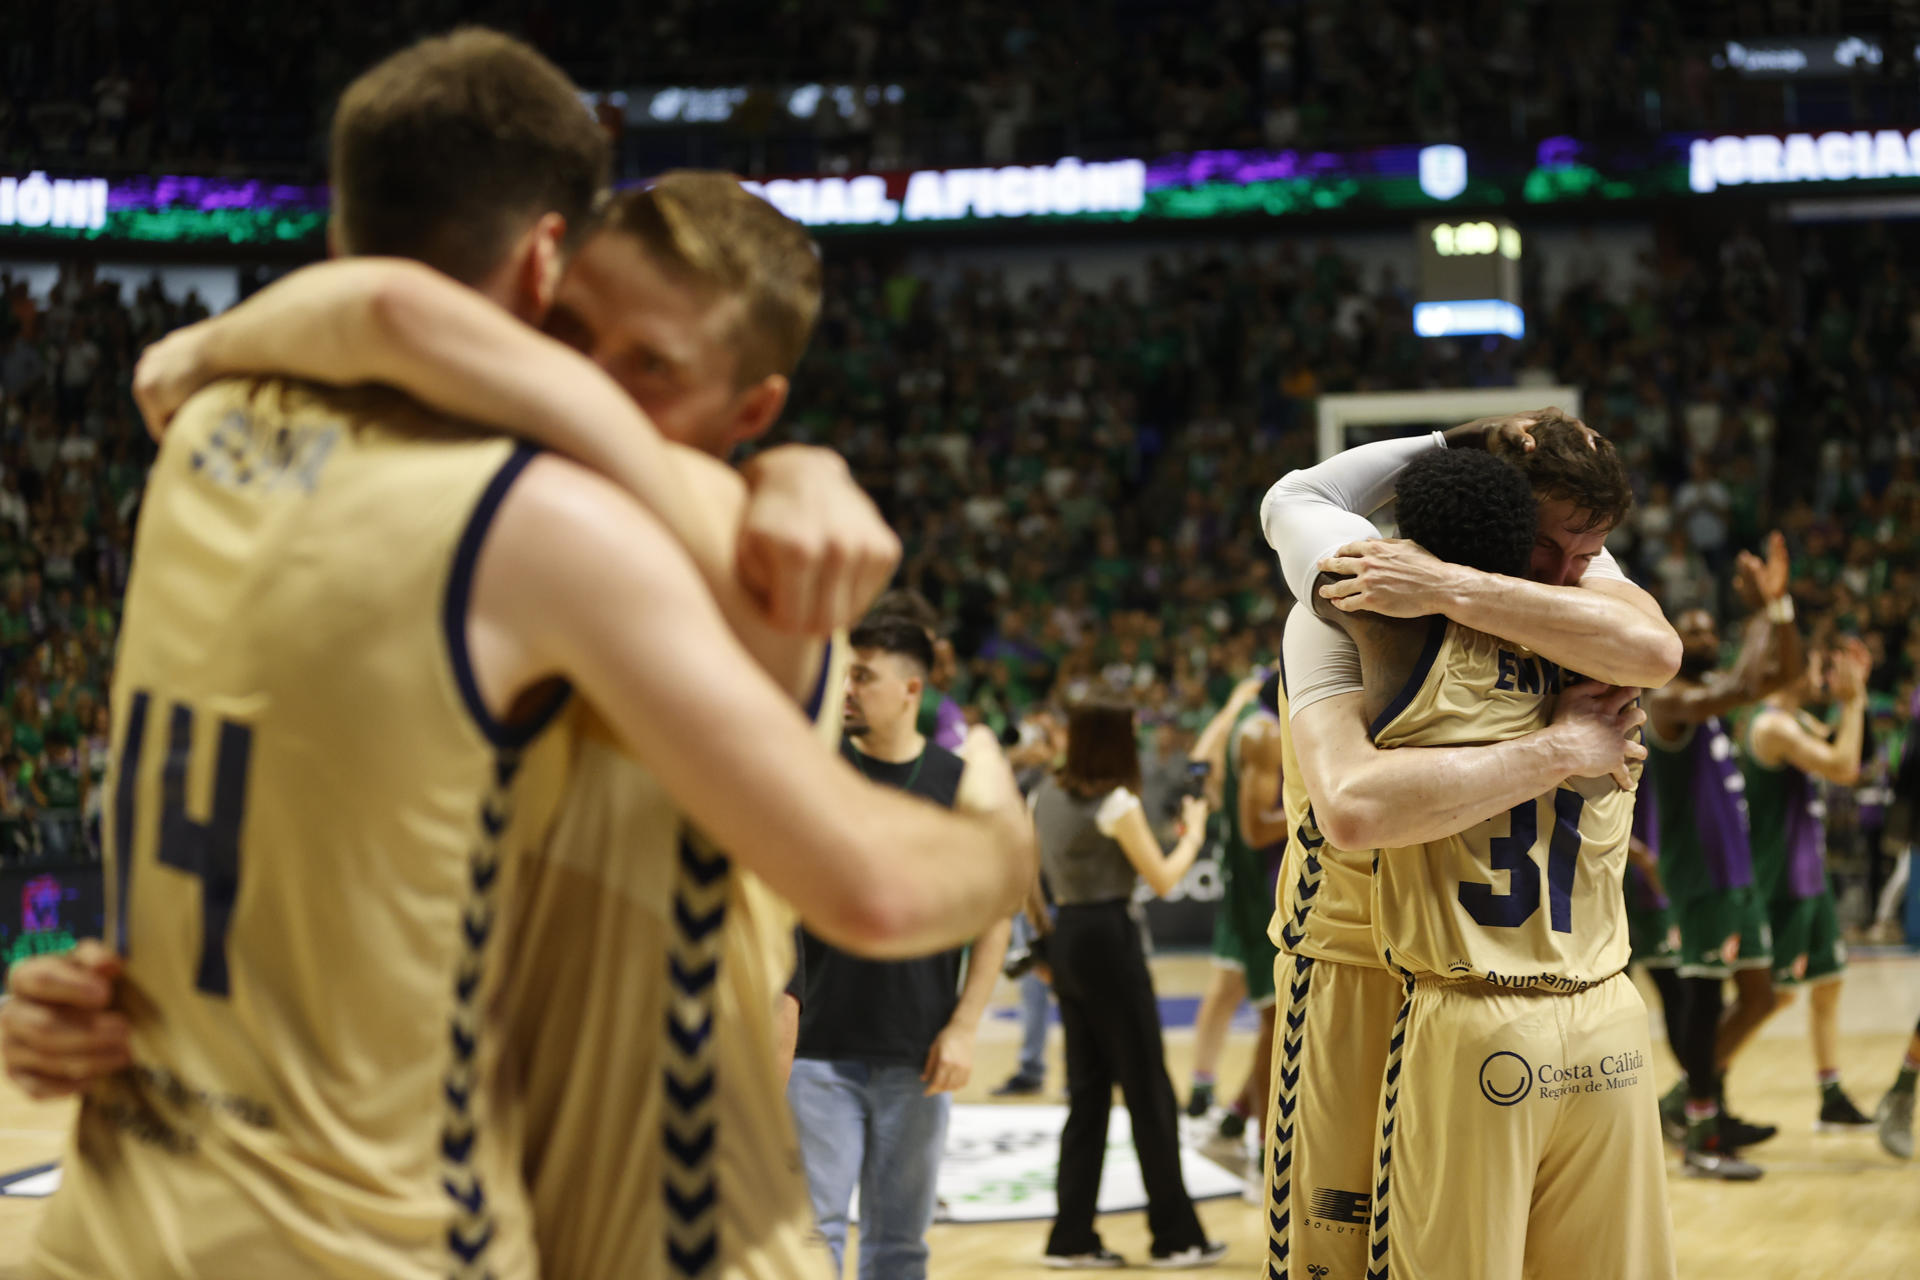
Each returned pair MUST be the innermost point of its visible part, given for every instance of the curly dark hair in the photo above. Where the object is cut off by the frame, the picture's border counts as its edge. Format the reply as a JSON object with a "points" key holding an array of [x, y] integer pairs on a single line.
{"points": [[1564, 466], [1470, 508]]}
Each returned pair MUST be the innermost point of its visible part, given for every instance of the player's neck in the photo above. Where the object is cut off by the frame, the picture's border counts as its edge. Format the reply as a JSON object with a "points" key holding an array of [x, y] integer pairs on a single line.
{"points": [[895, 746]]}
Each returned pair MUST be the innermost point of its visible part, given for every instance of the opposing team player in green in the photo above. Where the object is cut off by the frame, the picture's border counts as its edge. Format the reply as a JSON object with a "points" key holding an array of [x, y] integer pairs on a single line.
{"points": [[1788, 750]]}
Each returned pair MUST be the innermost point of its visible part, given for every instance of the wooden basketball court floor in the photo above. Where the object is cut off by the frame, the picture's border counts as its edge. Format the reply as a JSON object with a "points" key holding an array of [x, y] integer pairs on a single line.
{"points": [[1830, 1208]]}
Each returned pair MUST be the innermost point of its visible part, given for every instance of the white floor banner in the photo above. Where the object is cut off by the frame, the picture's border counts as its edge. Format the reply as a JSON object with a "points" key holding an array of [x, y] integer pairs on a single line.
{"points": [[1001, 1162], [999, 1167]]}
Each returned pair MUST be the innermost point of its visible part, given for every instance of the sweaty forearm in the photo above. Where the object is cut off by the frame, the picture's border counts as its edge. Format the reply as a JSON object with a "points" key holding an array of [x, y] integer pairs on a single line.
{"points": [[1585, 629], [952, 878], [1411, 795]]}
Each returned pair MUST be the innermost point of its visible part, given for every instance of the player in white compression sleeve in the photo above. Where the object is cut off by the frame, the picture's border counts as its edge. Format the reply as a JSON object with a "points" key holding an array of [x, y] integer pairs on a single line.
{"points": [[1311, 513]]}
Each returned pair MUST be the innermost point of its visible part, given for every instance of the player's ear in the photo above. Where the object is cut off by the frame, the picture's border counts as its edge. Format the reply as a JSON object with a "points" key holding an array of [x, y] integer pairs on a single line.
{"points": [[545, 260], [757, 407]]}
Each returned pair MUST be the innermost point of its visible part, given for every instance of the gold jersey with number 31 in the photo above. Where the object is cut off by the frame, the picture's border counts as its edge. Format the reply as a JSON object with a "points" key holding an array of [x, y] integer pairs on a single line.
{"points": [[1528, 898]]}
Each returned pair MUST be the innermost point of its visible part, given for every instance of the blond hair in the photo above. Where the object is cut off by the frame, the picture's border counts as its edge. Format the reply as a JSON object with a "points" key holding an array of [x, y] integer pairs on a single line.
{"points": [[705, 228]]}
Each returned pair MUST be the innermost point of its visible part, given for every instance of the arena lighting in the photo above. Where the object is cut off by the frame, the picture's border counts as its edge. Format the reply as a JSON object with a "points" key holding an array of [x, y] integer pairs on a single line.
{"points": [[1443, 171], [1733, 159], [1461, 319], [1066, 187], [1794, 57], [62, 204]]}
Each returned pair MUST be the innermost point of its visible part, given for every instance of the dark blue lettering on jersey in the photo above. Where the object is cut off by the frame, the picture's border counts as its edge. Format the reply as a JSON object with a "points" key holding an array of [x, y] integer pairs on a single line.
{"points": [[241, 453], [1531, 674]]}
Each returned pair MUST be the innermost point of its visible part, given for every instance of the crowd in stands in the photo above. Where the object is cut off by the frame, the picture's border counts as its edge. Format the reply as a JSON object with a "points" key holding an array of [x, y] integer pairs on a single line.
{"points": [[217, 85], [1076, 471]]}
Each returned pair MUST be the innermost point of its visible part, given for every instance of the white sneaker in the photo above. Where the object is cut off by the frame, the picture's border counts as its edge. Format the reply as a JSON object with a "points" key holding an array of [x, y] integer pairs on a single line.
{"points": [[1200, 1255], [1895, 1118], [1099, 1260]]}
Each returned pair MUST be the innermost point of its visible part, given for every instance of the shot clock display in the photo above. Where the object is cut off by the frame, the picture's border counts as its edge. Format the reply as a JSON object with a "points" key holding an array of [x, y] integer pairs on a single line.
{"points": [[1469, 279]]}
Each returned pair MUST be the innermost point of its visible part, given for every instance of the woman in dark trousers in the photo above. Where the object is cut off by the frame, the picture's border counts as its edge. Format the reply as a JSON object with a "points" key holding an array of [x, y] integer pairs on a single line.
{"points": [[1095, 845]]}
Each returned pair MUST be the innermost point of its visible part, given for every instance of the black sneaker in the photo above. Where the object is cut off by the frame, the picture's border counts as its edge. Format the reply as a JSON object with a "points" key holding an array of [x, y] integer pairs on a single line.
{"points": [[1199, 1101], [1839, 1115], [1020, 1086], [1101, 1259], [1232, 1126], [1194, 1256], [1710, 1155], [1739, 1134]]}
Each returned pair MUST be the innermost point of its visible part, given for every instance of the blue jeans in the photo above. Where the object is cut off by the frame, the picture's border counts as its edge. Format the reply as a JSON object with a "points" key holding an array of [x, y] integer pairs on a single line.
{"points": [[1035, 1002], [872, 1126]]}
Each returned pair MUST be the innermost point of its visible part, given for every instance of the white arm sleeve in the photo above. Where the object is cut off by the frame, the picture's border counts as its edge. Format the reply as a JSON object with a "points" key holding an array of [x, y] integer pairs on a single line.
{"points": [[1321, 661], [1603, 568], [1119, 803], [1312, 513]]}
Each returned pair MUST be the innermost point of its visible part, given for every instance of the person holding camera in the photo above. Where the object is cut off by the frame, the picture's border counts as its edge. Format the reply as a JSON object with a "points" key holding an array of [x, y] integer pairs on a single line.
{"points": [[1096, 844]]}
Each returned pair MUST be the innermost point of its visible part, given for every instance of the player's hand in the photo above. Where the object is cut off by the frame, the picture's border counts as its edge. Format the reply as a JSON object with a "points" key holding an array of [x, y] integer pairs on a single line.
{"points": [[813, 547], [949, 1062], [1768, 577], [1246, 691], [58, 1033], [1851, 665], [1597, 723], [1193, 813], [167, 375], [1392, 577], [1512, 435]]}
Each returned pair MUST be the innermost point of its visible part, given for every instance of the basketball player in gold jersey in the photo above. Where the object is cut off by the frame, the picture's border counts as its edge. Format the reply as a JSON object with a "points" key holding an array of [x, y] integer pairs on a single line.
{"points": [[664, 270], [1338, 1000], [253, 1144], [1520, 1060]]}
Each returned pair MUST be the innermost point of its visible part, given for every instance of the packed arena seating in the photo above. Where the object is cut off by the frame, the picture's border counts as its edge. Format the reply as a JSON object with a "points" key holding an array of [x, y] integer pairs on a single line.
{"points": [[1076, 471], [115, 86]]}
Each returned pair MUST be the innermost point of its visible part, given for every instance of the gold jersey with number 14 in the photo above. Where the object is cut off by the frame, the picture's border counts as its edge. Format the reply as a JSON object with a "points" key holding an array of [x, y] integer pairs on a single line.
{"points": [[311, 816], [1528, 898]]}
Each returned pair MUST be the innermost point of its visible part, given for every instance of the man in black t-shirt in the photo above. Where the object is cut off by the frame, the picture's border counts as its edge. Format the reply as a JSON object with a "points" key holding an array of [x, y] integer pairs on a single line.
{"points": [[882, 1045]]}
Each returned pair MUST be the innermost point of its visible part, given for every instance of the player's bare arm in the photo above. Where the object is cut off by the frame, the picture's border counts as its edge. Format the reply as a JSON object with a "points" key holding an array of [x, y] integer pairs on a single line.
{"points": [[1262, 815], [577, 581], [1610, 629], [1365, 797], [1771, 653], [1779, 737], [1646, 862], [813, 551], [1210, 748]]}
